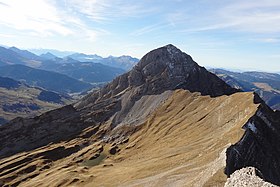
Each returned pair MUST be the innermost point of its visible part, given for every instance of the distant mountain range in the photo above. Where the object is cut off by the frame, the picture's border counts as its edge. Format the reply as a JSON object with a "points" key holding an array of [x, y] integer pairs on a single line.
{"points": [[49, 56], [267, 85], [55, 52], [123, 62], [9, 57], [75, 72], [86, 71], [34, 83], [21, 100]]}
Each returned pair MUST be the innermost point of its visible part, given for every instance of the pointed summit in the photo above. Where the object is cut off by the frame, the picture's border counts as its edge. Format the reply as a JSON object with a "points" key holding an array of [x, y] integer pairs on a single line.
{"points": [[162, 69], [169, 59]]}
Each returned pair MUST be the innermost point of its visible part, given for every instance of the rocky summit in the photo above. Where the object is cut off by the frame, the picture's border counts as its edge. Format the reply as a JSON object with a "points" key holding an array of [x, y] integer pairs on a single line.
{"points": [[165, 68], [167, 122]]}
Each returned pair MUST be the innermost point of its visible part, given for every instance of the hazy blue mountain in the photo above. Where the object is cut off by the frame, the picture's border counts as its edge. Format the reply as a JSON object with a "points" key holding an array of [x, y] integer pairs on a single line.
{"points": [[267, 85], [16, 56], [87, 71], [55, 52], [36, 58], [88, 68], [46, 79], [85, 58], [123, 62], [48, 56], [8, 56], [26, 54]]}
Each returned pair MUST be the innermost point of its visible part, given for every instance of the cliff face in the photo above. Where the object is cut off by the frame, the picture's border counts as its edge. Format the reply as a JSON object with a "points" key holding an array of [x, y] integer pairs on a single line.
{"points": [[166, 122], [260, 145], [162, 69], [165, 68]]}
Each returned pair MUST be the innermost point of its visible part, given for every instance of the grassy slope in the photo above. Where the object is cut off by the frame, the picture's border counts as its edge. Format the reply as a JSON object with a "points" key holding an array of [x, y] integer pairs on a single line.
{"points": [[181, 143]]}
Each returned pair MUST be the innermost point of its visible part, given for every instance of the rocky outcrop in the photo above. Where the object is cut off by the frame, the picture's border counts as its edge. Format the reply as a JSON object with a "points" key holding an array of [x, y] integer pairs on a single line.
{"points": [[247, 177], [260, 145], [165, 68]]}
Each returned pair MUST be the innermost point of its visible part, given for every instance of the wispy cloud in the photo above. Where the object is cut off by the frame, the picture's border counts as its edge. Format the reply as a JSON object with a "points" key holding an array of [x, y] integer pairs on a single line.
{"points": [[236, 16], [271, 40], [3, 4], [253, 16], [107, 10], [7, 35], [22, 15], [43, 18], [148, 29]]}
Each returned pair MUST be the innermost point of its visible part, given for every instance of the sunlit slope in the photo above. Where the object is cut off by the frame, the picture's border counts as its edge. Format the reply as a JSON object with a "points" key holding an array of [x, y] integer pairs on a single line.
{"points": [[182, 143]]}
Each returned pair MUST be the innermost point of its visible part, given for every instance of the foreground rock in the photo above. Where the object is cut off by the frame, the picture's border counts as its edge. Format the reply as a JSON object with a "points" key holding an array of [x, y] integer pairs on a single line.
{"points": [[260, 145], [247, 177]]}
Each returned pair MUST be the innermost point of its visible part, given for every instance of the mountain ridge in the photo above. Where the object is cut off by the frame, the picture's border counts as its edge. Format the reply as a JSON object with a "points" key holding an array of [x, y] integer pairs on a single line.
{"points": [[153, 72]]}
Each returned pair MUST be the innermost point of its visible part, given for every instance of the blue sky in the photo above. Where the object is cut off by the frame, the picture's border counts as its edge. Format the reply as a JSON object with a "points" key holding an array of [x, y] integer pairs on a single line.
{"points": [[218, 33]]}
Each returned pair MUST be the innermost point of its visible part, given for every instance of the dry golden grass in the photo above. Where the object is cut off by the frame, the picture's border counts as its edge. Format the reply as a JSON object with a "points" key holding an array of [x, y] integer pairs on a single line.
{"points": [[182, 143]]}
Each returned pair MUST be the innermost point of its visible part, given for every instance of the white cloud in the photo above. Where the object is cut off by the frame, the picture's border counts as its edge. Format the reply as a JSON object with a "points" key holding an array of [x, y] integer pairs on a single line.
{"points": [[107, 10], [253, 16], [260, 17], [92, 35], [7, 35], [267, 40], [33, 15], [45, 18], [148, 29]]}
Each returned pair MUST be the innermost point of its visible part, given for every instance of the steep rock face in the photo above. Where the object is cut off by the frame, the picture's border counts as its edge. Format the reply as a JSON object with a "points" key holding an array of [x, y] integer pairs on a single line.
{"points": [[165, 68], [259, 147]]}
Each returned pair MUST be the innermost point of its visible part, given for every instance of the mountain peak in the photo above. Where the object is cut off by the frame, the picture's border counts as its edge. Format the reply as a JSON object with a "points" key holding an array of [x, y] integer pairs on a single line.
{"points": [[172, 49], [162, 69], [48, 56], [167, 57]]}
